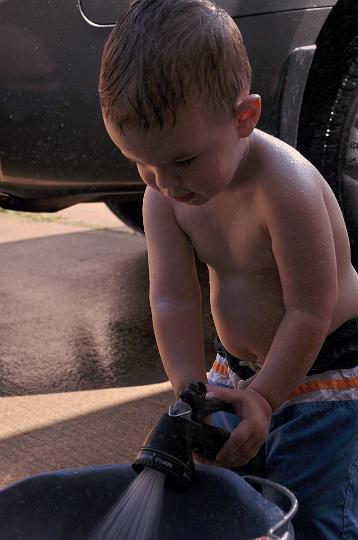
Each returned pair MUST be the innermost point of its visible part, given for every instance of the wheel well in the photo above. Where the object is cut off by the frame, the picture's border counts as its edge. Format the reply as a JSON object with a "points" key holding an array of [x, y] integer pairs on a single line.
{"points": [[337, 34], [324, 112]]}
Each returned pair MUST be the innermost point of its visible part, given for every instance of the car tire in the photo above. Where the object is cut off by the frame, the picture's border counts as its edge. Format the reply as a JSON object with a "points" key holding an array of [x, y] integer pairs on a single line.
{"points": [[329, 130], [129, 212]]}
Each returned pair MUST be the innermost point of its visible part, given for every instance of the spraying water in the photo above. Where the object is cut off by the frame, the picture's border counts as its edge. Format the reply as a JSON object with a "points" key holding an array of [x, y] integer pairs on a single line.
{"points": [[136, 514]]}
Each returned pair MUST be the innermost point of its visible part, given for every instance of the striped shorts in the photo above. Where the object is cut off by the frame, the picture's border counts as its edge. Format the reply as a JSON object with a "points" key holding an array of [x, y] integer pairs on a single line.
{"points": [[312, 449], [333, 385]]}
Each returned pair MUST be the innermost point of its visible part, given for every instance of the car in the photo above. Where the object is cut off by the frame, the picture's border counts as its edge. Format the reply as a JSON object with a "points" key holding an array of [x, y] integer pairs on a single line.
{"points": [[55, 152]]}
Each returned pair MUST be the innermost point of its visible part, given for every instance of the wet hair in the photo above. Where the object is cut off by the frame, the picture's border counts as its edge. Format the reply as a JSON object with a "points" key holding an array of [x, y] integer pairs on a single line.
{"points": [[164, 54]]}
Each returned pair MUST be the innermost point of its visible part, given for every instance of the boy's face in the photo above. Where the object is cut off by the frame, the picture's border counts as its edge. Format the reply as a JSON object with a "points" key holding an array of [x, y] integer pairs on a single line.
{"points": [[191, 162]]}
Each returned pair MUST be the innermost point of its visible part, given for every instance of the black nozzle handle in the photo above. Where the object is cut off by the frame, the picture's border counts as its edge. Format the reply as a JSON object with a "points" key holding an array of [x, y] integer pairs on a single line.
{"points": [[194, 395], [208, 440], [212, 405]]}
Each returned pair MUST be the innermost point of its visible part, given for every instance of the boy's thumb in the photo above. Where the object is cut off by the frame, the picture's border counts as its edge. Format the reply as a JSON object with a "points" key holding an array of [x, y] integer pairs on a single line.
{"points": [[225, 394]]}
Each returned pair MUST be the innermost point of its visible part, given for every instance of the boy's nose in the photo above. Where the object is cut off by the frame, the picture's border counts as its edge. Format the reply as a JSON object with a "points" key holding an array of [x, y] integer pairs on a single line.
{"points": [[166, 178]]}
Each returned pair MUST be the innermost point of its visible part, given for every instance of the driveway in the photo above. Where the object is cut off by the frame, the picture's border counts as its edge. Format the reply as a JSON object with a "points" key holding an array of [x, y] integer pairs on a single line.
{"points": [[80, 376]]}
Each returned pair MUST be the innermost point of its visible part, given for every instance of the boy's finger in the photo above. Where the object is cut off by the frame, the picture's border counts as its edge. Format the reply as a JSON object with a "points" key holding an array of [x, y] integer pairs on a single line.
{"points": [[237, 457], [202, 460], [225, 394], [236, 444], [241, 447]]}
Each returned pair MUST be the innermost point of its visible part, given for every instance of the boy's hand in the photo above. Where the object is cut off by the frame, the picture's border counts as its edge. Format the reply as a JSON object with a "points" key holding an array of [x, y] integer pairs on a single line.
{"points": [[255, 416]]}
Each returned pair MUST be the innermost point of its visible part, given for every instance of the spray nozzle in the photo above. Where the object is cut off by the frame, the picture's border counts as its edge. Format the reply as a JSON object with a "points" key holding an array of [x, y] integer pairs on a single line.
{"points": [[180, 408], [168, 447]]}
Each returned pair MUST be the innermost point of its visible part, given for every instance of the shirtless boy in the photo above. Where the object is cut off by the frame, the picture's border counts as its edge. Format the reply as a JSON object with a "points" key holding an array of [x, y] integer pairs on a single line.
{"points": [[175, 96]]}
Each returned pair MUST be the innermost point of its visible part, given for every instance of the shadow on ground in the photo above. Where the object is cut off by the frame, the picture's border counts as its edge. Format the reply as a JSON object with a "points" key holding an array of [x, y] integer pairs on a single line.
{"points": [[75, 314]]}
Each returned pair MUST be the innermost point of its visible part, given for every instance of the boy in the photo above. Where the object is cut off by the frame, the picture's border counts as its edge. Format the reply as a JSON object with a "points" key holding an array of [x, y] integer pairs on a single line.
{"points": [[175, 96]]}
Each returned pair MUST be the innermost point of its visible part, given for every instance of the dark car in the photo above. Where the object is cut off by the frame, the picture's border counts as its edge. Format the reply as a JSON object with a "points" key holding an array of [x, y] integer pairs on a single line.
{"points": [[53, 146]]}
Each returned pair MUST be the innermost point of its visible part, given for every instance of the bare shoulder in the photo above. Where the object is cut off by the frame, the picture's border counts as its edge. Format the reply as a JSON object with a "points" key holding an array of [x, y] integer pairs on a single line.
{"points": [[286, 176], [290, 191], [291, 186], [154, 202], [160, 221], [158, 213]]}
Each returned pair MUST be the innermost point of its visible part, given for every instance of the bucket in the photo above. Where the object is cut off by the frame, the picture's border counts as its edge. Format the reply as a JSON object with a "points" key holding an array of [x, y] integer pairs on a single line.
{"points": [[69, 504]]}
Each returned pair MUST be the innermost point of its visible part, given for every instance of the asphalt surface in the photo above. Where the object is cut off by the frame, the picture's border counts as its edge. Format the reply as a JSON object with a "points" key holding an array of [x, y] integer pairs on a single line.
{"points": [[80, 376], [75, 312]]}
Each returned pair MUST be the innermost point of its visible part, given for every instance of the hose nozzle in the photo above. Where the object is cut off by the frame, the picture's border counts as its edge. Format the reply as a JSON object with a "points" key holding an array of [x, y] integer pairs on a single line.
{"points": [[168, 447]]}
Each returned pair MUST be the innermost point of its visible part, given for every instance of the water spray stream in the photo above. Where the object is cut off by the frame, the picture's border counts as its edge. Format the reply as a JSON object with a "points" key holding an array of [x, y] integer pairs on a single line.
{"points": [[136, 514]]}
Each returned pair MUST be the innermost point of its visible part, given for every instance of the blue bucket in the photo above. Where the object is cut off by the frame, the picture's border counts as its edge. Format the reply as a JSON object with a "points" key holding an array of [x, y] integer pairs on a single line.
{"points": [[69, 505]]}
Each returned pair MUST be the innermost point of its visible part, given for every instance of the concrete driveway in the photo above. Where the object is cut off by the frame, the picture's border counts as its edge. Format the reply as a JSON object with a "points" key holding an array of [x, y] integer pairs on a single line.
{"points": [[79, 372], [80, 376]]}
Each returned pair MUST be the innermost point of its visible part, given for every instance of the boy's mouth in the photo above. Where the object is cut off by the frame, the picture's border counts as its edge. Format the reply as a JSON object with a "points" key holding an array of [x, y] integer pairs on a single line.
{"points": [[185, 198]]}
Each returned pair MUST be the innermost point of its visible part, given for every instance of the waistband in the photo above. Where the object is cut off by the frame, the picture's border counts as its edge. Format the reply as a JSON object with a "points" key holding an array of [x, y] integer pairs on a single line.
{"points": [[339, 351], [330, 386]]}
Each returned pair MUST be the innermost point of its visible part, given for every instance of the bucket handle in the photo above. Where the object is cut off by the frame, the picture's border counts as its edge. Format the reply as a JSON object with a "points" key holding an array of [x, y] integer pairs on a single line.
{"points": [[284, 491]]}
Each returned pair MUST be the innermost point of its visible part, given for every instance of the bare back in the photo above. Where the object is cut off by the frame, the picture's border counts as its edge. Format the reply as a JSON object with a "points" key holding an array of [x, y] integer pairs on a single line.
{"points": [[267, 243]]}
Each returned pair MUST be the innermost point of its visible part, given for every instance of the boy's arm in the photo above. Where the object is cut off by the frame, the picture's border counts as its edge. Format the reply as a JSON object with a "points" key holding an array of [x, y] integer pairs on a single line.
{"points": [[298, 225], [175, 295], [302, 244]]}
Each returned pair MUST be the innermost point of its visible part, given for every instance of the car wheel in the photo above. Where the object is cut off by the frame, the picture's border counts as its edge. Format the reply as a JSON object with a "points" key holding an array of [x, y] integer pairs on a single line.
{"points": [[129, 212], [330, 138]]}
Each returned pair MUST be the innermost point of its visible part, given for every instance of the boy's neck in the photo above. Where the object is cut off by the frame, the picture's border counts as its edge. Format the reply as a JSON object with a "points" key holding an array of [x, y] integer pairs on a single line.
{"points": [[247, 164]]}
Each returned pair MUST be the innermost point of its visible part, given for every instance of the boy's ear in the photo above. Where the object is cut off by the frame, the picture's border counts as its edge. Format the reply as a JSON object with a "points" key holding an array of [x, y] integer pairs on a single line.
{"points": [[247, 114]]}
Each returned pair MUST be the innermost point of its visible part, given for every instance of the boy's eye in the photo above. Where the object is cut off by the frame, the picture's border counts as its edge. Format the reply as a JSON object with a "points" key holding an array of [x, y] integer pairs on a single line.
{"points": [[185, 162]]}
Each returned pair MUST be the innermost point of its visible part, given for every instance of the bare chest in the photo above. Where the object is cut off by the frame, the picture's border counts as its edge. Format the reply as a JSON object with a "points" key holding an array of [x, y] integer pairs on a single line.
{"points": [[245, 290], [229, 240]]}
